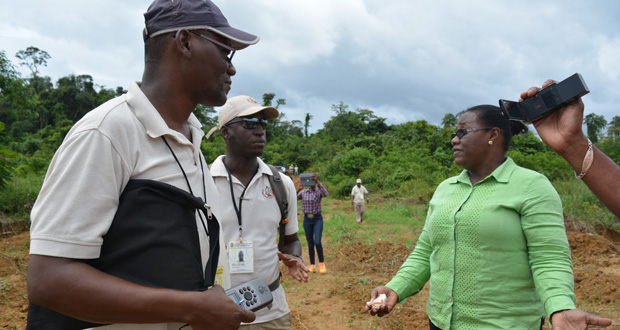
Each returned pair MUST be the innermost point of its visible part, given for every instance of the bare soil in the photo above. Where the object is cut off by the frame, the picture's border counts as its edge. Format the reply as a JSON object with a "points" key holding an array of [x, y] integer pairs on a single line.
{"points": [[335, 300]]}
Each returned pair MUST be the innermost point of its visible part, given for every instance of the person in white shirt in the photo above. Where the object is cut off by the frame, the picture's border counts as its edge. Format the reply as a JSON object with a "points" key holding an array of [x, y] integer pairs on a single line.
{"points": [[359, 194], [250, 214], [147, 135]]}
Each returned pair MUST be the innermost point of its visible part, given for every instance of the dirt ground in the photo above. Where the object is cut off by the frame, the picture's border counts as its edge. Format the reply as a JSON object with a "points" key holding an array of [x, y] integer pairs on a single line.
{"points": [[335, 300]]}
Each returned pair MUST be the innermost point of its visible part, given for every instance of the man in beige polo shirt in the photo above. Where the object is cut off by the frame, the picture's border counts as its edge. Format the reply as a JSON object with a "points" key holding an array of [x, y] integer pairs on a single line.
{"points": [[149, 134]]}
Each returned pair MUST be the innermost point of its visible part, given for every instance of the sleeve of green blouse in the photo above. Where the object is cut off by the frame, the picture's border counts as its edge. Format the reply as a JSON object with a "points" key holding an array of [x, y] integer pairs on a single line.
{"points": [[415, 271], [549, 253]]}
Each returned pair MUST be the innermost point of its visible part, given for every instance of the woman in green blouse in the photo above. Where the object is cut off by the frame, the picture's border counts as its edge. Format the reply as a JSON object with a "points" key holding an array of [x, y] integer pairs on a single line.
{"points": [[494, 245]]}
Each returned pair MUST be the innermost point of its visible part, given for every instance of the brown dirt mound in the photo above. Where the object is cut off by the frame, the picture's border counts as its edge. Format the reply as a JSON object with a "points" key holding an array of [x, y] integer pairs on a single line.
{"points": [[13, 293], [335, 300], [596, 263]]}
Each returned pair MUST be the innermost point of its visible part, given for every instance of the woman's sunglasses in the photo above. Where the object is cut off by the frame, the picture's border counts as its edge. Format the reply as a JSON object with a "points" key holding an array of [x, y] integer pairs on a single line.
{"points": [[250, 123]]}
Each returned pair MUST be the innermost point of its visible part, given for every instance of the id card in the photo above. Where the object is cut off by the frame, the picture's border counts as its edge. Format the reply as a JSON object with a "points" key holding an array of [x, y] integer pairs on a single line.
{"points": [[241, 257]]}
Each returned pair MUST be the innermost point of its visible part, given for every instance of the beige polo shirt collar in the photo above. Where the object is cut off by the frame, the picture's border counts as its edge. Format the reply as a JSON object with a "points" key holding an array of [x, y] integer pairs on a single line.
{"points": [[153, 122], [218, 169]]}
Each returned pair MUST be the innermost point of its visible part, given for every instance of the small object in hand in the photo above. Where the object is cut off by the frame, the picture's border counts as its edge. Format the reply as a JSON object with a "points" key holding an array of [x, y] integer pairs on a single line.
{"points": [[306, 180], [377, 302]]}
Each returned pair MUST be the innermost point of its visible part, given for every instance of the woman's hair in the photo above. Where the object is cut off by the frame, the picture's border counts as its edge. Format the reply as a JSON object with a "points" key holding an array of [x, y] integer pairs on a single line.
{"points": [[492, 116]]}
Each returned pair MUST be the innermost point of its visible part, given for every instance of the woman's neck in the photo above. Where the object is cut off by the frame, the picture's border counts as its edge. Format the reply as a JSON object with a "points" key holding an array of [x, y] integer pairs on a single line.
{"points": [[485, 170]]}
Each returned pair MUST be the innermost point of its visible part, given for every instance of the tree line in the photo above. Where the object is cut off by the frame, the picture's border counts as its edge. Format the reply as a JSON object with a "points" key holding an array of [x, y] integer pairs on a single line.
{"points": [[407, 159]]}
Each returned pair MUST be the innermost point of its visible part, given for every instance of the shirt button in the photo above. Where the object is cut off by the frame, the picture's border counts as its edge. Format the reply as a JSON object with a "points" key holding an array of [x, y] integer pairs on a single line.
{"points": [[452, 250], [450, 299], [451, 275]]}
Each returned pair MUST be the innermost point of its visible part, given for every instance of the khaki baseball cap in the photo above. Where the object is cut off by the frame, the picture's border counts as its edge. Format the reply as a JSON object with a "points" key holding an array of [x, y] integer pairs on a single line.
{"points": [[241, 106]]}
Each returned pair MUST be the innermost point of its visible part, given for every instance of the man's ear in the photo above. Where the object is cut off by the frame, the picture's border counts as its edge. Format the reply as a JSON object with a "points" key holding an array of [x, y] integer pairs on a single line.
{"points": [[225, 131], [182, 41]]}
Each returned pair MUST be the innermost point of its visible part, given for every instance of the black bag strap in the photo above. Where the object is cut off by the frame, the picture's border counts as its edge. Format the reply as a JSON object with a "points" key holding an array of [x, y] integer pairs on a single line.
{"points": [[282, 199]]}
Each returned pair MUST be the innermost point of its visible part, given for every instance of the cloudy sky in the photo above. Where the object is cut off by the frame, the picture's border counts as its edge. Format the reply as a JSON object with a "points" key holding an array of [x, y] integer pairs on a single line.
{"points": [[405, 60]]}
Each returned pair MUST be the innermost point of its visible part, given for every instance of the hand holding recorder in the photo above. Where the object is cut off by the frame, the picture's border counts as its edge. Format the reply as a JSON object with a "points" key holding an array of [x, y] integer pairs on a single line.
{"points": [[551, 98], [561, 129]]}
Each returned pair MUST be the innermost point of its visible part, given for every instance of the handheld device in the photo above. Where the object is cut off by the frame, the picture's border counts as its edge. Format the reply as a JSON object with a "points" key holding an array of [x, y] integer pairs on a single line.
{"points": [[546, 101], [305, 180], [253, 294]]}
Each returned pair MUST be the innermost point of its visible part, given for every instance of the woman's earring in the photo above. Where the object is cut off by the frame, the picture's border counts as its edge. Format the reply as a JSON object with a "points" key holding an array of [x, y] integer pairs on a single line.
{"points": [[490, 142]]}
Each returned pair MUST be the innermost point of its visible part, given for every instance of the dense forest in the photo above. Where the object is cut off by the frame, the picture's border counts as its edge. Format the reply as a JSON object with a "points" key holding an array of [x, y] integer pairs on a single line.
{"points": [[404, 161]]}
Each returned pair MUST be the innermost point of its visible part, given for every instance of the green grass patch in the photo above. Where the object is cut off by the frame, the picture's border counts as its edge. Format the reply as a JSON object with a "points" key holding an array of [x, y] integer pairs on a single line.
{"points": [[21, 250], [580, 203], [17, 199], [394, 221]]}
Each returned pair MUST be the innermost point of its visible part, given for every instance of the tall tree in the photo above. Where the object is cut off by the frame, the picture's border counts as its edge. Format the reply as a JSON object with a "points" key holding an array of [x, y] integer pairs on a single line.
{"points": [[15, 100], [206, 116], [340, 108], [295, 128], [33, 58], [35, 115], [277, 126], [120, 91], [613, 130], [268, 100], [5, 174], [307, 123], [75, 96], [11, 85], [595, 125], [347, 124], [449, 121]]}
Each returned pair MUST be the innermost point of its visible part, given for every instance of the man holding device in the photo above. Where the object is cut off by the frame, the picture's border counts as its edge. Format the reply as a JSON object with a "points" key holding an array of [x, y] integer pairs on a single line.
{"points": [[149, 135], [250, 214]]}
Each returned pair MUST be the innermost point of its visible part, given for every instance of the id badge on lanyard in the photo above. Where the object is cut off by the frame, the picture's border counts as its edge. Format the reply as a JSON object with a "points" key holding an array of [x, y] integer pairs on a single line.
{"points": [[240, 252], [241, 256]]}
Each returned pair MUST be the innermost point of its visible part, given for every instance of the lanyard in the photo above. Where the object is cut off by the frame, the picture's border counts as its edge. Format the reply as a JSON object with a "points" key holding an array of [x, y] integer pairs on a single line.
{"points": [[211, 265], [204, 189], [232, 195]]}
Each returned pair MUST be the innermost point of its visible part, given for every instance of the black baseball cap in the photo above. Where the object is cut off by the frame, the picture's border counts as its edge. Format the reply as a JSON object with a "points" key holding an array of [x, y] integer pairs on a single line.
{"points": [[165, 16]]}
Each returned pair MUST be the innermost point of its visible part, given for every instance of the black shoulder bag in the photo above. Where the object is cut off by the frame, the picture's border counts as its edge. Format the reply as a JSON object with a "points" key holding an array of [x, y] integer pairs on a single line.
{"points": [[153, 241]]}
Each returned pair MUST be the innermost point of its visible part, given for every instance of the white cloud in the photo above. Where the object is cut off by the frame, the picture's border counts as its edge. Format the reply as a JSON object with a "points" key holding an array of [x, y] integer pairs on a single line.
{"points": [[608, 58], [403, 59]]}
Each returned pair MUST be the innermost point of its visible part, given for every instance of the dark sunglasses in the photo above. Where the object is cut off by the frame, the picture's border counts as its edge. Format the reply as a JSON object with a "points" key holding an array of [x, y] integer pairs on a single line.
{"points": [[461, 132], [230, 52], [250, 123]]}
